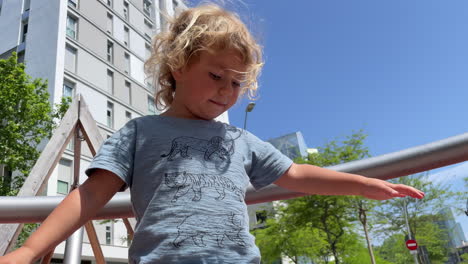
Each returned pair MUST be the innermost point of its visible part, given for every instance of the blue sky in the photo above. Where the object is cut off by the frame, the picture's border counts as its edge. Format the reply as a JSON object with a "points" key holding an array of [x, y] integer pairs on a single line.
{"points": [[396, 69]]}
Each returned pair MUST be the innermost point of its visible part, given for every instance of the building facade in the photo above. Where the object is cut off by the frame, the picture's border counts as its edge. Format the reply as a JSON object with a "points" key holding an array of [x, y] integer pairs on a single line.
{"points": [[454, 231], [96, 48]]}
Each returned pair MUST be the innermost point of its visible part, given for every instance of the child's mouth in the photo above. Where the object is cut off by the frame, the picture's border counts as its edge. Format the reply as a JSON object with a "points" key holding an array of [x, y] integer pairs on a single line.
{"points": [[218, 103]]}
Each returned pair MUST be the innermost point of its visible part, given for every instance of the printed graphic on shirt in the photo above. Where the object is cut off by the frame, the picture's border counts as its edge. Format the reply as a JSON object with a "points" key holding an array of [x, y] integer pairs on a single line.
{"points": [[184, 182], [216, 227], [217, 146]]}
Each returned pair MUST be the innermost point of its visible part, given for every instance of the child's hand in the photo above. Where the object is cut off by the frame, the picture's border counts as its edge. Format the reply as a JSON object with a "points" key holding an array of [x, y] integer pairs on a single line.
{"points": [[382, 190]]}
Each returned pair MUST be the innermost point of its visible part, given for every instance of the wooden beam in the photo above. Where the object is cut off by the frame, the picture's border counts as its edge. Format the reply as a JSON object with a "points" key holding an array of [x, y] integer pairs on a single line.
{"points": [[129, 227], [46, 259], [76, 159], [89, 128], [95, 245], [77, 117]]}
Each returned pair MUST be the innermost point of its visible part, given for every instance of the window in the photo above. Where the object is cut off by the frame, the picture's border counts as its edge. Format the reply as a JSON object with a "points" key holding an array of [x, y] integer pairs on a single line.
{"points": [[110, 114], [73, 3], [24, 30], [128, 92], [68, 89], [64, 176], [109, 234], [110, 23], [110, 51], [147, 7], [110, 3], [110, 81], [26, 5], [21, 57], [126, 11], [62, 187], [71, 27], [148, 24], [127, 63], [126, 36], [70, 58], [161, 18], [128, 116], [147, 50], [149, 86], [151, 106]]}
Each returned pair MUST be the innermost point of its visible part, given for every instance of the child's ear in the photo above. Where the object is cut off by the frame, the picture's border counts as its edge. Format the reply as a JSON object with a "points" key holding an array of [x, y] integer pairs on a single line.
{"points": [[177, 74]]}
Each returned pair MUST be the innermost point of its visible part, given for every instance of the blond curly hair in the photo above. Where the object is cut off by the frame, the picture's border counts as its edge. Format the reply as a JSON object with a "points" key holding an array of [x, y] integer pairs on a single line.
{"points": [[203, 28]]}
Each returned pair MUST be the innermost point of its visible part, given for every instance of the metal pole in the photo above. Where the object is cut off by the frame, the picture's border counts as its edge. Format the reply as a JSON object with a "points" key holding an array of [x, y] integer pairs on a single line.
{"points": [[73, 245], [72, 253], [249, 108], [33, 209], [245, 119], [409, 230]]}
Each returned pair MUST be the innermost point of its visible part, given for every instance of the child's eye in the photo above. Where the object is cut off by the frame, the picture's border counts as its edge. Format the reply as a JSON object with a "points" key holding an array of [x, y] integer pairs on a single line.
{"points": [[214, 76], [236, 84]]}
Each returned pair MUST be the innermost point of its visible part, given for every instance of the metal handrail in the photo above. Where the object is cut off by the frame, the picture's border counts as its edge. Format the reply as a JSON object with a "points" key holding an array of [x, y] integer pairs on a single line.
{"points": [[413, 160]]}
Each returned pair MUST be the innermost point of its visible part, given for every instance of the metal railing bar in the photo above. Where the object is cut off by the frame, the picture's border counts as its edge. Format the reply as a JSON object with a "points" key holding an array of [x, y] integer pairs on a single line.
{"points": [[413, 160]]}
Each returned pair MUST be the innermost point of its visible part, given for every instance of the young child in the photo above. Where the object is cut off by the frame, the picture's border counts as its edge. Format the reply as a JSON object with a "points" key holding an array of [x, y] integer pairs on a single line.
{"points": [[188, 173]]}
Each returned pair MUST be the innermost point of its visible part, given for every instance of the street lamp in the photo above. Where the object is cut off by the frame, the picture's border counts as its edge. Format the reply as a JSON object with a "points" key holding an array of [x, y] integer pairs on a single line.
{"points": [[249, 108]]}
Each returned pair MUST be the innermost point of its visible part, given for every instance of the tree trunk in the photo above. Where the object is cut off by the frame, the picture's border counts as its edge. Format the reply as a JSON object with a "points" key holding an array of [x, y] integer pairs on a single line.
{"points": [[363, 219]]}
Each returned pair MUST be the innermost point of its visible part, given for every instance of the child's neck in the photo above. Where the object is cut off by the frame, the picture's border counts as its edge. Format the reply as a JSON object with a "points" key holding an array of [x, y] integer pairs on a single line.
{"points": [[171, 112]]}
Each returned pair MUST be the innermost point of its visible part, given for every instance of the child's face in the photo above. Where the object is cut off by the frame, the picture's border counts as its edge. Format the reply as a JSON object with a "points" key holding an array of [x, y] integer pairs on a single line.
{"points": [[208, 86]]}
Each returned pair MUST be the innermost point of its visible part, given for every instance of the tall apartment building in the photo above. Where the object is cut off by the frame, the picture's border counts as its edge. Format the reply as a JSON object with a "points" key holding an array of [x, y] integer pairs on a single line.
{"points": [[454, 230], [96, 48]]}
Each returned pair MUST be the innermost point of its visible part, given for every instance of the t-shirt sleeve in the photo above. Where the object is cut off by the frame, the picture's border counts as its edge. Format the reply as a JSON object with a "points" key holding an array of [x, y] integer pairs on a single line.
{"points": [[117, 154], [266, 163]]}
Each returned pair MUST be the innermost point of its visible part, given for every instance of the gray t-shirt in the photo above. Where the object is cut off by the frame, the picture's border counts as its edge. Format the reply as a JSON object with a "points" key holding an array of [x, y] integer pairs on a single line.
{"points": [[187, 181]]}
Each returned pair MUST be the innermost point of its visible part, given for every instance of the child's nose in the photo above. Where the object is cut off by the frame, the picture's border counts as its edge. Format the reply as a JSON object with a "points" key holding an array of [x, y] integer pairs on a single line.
{"points": [[226, 88]]}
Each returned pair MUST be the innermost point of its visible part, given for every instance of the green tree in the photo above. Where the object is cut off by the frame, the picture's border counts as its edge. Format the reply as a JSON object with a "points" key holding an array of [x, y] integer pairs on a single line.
{"points": [[278, 240], [421, 217], [26, 118], [394, 250], [431, 236], [328, 219], [363, 208], [357, 253]]}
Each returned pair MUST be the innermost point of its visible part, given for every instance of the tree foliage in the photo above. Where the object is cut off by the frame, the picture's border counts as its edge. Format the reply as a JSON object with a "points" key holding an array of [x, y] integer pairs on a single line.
{"points": [[423, 216], [26, 119], [391, 213], [431, 236], [327, 220]]}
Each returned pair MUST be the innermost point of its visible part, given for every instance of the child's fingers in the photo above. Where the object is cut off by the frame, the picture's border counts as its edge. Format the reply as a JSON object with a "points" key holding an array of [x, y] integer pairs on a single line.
{"points": [[408, 190], [386, 191]]}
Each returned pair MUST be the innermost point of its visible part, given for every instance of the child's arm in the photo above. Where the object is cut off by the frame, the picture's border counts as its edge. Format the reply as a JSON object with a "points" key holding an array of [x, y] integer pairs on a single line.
{"points": [[315, 180], [74, 211]]}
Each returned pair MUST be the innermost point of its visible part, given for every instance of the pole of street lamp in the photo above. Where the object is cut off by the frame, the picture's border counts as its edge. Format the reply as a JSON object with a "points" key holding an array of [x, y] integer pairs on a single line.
{"points": [[249, 108], [408, 227]]}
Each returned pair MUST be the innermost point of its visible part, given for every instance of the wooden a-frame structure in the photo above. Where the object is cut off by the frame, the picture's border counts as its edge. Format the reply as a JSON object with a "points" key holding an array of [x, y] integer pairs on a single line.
{"points": [[77, 123]]}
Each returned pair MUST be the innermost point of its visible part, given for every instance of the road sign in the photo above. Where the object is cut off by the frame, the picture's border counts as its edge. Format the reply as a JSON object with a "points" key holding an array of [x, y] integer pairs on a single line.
{"points": [[411, 244]]}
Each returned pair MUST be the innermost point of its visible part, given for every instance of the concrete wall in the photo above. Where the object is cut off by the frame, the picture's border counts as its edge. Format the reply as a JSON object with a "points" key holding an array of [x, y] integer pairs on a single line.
{"points": [[45, 55]]}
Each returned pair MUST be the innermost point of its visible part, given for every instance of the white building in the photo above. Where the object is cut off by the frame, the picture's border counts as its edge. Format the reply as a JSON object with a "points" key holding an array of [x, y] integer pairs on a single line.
{"points": [[96, 48]]}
